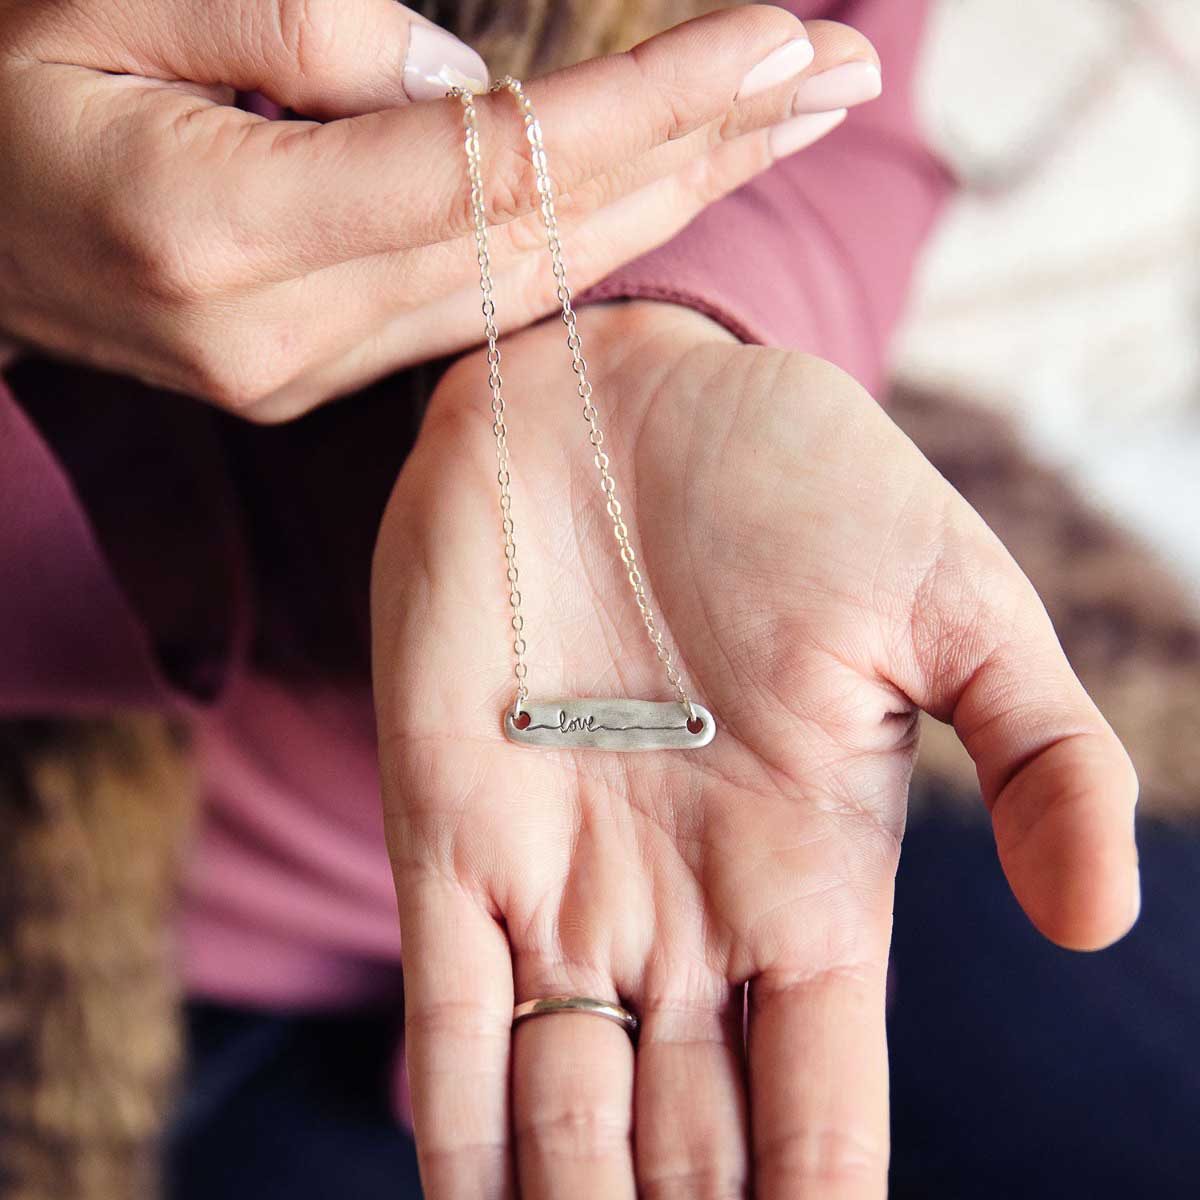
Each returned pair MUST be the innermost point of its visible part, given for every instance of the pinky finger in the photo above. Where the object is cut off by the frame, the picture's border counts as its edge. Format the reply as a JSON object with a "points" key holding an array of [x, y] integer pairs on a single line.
{"points": [[458, 1022]]}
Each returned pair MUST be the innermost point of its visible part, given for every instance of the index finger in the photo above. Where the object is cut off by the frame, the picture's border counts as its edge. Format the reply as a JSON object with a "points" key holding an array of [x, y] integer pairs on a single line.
{"points": [[394, 180], [819, 1083]]}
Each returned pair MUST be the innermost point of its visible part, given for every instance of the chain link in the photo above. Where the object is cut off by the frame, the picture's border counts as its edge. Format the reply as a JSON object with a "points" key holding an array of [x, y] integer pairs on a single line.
{"points": [[496, 383], [545, 187]]}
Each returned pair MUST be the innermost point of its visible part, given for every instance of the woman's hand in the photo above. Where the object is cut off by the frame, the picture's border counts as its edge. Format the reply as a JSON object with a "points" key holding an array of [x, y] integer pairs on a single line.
{"points": [[820, 583], [149, 227]]}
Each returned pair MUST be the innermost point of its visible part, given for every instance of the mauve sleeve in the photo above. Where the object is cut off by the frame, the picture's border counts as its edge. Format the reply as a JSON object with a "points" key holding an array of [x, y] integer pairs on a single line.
{"points": [[120, 573], [69, 643], [816, 254]]}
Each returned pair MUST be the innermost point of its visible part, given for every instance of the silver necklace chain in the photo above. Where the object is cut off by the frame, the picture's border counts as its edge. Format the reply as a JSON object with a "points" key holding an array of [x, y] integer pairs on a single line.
{"points": [[533, 134]]}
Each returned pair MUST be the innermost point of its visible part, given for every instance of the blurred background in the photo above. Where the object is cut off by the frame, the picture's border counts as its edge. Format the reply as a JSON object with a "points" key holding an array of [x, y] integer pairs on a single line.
{"points": [[1050, 367], [1063, 287]]}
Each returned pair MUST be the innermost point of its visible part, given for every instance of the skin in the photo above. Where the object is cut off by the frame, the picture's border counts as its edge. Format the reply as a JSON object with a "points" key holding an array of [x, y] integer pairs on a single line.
{"points": [[149, 227], [820, 583]]}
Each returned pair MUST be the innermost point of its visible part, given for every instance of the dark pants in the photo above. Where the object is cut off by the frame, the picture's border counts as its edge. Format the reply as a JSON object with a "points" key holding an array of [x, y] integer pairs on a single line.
{"points": [[1020, 1072], [289, 1108]]}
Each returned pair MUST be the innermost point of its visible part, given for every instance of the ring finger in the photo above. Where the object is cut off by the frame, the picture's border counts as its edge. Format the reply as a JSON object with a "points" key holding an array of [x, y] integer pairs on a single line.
{"points": [[572, 1101]]}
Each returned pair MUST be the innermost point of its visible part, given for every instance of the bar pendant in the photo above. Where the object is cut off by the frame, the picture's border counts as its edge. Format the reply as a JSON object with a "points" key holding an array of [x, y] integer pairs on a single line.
{"points": [[623, 725]]}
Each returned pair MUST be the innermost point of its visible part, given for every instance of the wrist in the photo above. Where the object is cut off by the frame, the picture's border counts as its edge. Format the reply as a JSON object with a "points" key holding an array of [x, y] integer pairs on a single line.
{"points": [[620, 330]]}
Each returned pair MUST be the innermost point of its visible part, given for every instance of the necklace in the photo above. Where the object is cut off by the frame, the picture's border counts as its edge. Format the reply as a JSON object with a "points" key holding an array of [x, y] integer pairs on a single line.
{"points": [[679, 724]]}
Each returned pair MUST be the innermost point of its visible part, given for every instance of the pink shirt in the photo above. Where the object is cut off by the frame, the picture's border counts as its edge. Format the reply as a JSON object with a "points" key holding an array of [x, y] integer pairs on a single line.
{"points": [[156, 553]]}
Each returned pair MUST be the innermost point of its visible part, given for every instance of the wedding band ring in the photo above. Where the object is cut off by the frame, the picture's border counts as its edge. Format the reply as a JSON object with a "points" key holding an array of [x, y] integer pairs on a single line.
{"points": [[581, 1004]]}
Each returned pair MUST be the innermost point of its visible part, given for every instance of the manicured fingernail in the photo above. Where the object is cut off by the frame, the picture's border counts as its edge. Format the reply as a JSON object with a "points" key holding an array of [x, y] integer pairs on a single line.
{"points": [[438, 61], [840, 87], [783, 63], [798, 132]]}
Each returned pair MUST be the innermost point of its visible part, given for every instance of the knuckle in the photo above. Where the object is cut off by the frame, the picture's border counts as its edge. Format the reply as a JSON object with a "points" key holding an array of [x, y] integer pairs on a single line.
{"points": [[159, 227], [576, 1130], [166, 254], [741, 156], [460, 1019], [155, 253], [825, 1156], [669, 106], [227, 376], [524, 236], [138, 221], [442, 1155], [702, 181], [533, 289], [224, 385], [305, 32], [718, 171], [513, 192], [242, 389], [696, 1181], [460, 222]]}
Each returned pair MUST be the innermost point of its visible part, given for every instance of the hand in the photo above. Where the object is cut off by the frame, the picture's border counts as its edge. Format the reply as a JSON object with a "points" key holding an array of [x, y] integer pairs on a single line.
{"points": [[820, 583], [148, 227]]}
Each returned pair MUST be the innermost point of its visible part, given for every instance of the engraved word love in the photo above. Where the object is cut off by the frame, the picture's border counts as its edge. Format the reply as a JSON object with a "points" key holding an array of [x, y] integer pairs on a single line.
{"points": [[574, 724], [608, 725]]}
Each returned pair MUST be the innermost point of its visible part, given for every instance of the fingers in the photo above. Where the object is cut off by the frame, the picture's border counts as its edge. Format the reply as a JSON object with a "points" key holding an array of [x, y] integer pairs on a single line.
{"points": [[572, 1106], [1059, 784], [835, 44], [691, 1132], [395, 180], [325, 58], [845, 73], [819, 1084], [458, 1018], [373, 294]]}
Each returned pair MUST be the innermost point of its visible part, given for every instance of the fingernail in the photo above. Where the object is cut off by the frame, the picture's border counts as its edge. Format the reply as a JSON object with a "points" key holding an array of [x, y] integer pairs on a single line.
{"points": [[840, 87], [1137, 894], [783, 63], [798, 132], [438, 61]]}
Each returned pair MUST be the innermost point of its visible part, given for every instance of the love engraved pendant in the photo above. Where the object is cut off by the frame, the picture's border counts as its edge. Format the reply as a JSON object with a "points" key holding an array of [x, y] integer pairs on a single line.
{"points": [[595, 724], [609, 725]]}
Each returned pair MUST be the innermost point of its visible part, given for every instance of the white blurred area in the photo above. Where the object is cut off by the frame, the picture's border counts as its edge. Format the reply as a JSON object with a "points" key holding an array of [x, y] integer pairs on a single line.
{"points": [[1064, 283]]}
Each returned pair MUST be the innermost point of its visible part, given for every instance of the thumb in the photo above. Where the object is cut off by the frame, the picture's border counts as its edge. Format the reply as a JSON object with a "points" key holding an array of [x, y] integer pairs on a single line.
{"points": [[323, 58], [1058, 782]]}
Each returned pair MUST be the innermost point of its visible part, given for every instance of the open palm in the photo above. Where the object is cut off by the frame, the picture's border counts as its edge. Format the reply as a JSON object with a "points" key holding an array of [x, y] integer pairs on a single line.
{"points": [[820, 583]]}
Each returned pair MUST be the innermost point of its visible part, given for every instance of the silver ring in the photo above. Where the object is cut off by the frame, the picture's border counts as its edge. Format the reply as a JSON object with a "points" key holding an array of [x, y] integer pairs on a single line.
{"points": [[581, 1004]]}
